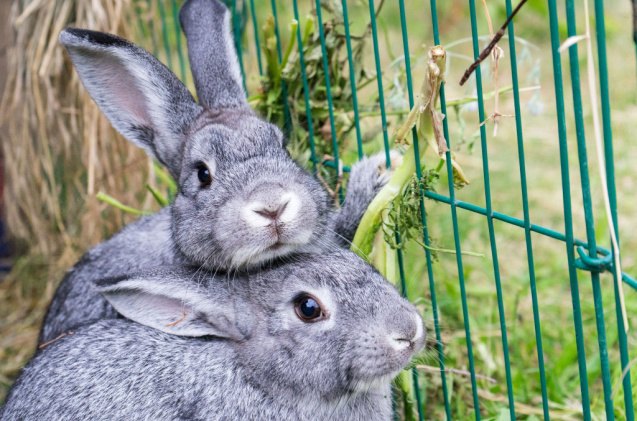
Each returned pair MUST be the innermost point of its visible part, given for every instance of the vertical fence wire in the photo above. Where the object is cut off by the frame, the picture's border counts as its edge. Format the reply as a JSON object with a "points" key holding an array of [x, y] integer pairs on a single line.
{"points": [[566, 198], [287, 120], [588, 209], [600, 32], [525, 209], [406, 53], [164, 33], [237, 35], [328, 93], [423, 218], [379, 81], [489, 217], [257, 43], [352, 80], [306, 89], [180, 51], [456, 230]]}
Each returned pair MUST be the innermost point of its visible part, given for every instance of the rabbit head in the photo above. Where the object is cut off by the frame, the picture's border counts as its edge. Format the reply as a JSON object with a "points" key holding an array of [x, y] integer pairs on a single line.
{"points": [[242, 200], [325, 325]]}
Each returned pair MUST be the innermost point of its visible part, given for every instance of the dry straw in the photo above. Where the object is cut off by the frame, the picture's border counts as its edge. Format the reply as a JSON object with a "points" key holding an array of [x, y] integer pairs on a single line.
{"points": [[59, 152]]}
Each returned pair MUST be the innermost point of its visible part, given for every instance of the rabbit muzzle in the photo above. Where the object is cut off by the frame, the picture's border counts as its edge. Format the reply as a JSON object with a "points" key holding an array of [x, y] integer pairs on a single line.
{"points": [[276, 212]]}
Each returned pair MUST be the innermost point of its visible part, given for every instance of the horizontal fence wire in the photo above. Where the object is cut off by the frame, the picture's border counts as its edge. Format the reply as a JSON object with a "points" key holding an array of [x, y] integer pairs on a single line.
{"points": [[489, 217], [593, 258]]}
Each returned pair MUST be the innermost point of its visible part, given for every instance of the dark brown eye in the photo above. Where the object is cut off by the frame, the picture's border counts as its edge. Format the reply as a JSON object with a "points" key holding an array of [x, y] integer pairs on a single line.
{"points": [[203, 173], [308, 308]]}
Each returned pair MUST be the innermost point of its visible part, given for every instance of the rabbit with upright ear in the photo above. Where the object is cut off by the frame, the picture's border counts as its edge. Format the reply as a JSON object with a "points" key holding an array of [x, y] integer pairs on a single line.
{"points": [[318, 338], [242, 200]]}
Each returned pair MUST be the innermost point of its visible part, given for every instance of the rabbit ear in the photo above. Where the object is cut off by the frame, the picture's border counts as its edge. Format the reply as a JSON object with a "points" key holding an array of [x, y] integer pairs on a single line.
{"points": [[144, 100], [176, 303], [212, 55]]}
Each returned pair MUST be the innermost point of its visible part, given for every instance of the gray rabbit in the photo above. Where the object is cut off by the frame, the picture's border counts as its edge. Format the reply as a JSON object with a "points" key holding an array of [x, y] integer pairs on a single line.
{"points": [[242, 200], [317, 338]]}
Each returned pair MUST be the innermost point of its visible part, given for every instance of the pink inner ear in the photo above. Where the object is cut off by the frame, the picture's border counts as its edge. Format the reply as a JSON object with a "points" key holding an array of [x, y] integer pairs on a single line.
{"points": [[123, 90]]}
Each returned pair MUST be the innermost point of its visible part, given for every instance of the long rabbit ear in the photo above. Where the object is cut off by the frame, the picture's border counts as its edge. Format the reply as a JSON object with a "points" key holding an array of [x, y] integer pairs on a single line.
{"points": [[179, 302], [143, 100], [212, 55]]}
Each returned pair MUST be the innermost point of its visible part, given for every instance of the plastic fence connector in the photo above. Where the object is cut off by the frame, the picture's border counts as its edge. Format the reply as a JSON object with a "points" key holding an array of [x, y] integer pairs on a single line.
{"points": [[164, 33], [423, 218], [600, 31], [588, 209], [487, 198], [180, 52], [328, 92], [456, 230], [379, 81], [352, 80], [257, 44], [568, 218], [527, 218]]}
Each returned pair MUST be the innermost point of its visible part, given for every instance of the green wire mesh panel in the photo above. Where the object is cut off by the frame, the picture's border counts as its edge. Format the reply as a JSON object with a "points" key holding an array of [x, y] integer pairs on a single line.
{"points": [[523, 303]]}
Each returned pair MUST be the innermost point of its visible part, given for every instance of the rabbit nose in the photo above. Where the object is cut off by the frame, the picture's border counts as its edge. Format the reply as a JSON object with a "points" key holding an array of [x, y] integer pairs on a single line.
{"points": [[275, 209], [407, 333], [272, 211]]}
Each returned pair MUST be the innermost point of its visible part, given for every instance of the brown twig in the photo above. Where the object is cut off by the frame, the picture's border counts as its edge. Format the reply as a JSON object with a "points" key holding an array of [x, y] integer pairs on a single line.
{"points": [[57, 338], [496, 38]]}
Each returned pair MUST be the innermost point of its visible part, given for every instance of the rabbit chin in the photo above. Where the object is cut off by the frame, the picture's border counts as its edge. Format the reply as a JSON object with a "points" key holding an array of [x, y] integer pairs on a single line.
{"points": [[250, 256], [373, 383]]}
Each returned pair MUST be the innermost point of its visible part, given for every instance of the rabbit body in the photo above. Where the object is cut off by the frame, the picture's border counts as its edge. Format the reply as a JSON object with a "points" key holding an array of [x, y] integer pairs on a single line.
{"points": [[153, 375], [242, 200], [204, 347]]}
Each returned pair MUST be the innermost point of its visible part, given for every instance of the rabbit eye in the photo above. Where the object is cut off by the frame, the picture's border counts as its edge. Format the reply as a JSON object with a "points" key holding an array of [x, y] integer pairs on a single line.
{"points": [[203, 173], [308, 308]]}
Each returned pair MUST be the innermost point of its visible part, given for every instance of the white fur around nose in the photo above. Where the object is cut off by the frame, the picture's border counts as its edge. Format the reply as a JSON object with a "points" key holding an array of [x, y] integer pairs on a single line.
{"points": [[293, 204], [397, 342], [419, 329], [252, 218]]}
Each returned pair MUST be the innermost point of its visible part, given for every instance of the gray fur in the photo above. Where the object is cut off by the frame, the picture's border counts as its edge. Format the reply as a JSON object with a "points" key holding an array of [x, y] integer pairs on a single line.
{"points": [[213, 61], [367, 177], [278, 368], [206, 225]]}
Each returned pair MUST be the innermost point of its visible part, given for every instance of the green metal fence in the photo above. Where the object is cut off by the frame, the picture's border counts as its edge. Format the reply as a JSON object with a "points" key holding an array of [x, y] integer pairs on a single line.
{"points": [[582, 254]]}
